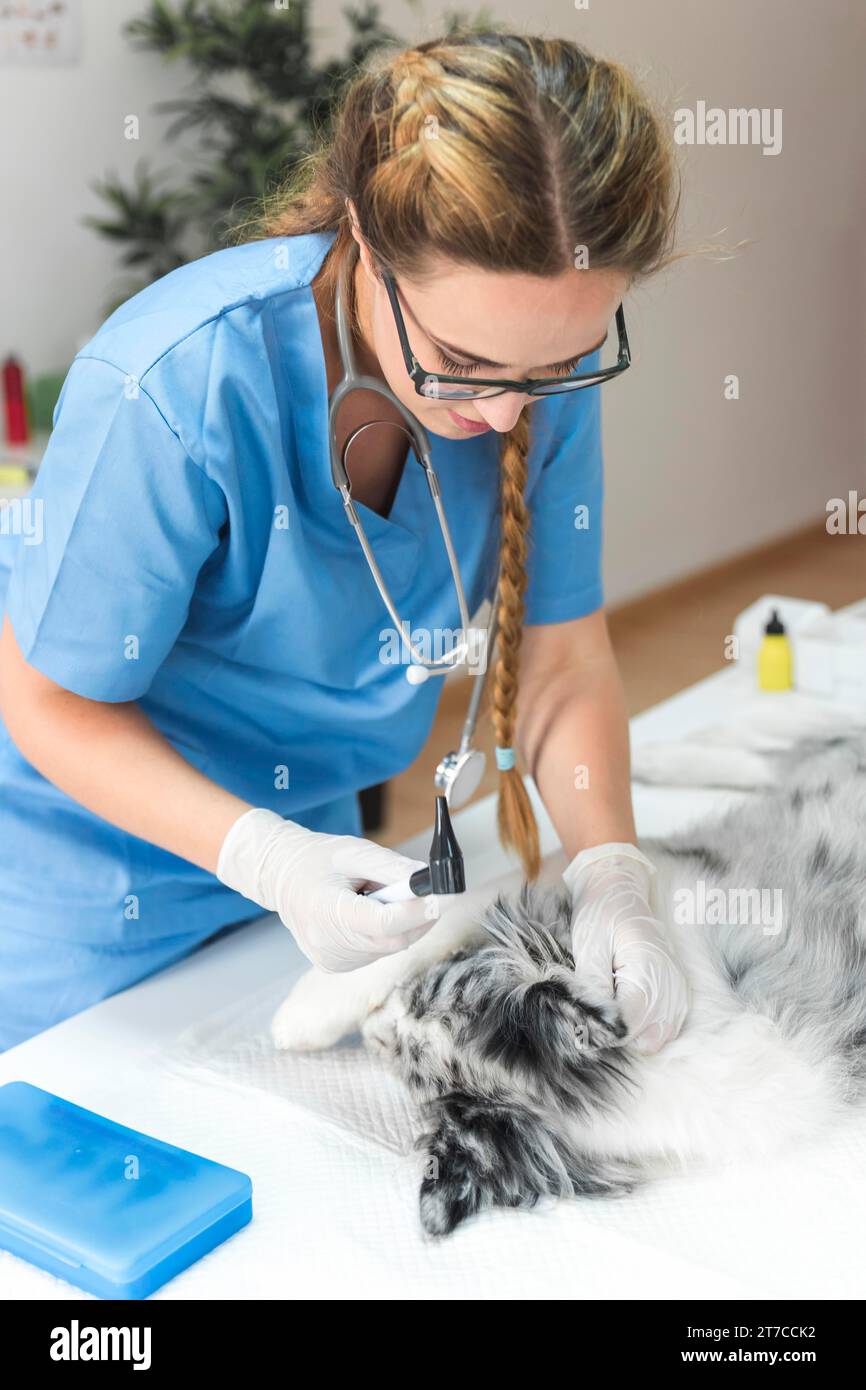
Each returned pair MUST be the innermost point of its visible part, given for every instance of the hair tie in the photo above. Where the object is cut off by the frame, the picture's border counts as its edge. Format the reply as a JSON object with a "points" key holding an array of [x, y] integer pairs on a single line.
{"points": [[505, 759]]}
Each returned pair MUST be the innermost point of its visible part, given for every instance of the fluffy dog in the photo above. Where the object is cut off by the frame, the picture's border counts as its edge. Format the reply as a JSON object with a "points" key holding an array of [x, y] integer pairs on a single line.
{"points": [[524, 1078]]}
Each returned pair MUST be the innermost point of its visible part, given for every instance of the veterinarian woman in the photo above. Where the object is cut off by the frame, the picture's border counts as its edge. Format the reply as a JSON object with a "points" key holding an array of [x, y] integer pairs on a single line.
{"points": [[192, 679]]}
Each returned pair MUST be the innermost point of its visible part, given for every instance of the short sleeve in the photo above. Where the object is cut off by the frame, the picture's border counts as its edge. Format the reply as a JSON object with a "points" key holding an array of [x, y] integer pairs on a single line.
{"points": [[565, 535], [101, 589]]}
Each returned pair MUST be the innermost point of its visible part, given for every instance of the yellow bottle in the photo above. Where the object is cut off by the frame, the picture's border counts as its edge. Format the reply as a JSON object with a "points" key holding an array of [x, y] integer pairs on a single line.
{"points": [[775, 664], [12, 475]]}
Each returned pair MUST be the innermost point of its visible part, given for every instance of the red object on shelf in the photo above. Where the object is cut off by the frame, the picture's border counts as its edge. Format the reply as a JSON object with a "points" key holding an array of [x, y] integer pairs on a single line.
{"points": [[15, 410]]}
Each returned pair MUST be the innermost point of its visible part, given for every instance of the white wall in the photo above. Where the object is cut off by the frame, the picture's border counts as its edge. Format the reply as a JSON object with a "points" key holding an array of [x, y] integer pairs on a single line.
{"points": [[692, 478], [62, 131]]}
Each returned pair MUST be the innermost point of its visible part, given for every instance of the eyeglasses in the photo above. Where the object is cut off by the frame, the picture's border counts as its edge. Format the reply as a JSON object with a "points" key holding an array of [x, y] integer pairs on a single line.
{"points": [[442, 386]]}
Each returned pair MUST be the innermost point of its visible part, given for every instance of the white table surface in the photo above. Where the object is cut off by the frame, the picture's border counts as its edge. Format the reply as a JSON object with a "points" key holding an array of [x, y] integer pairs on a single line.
{"points": [[336, 1216]]}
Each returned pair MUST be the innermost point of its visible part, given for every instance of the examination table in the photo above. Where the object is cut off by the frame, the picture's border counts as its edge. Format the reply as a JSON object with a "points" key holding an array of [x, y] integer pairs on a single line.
{"points": [[335, 1212]]}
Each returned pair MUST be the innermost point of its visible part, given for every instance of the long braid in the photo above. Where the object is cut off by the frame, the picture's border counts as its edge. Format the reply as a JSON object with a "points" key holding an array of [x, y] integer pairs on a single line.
{"points": [[515, 818]]}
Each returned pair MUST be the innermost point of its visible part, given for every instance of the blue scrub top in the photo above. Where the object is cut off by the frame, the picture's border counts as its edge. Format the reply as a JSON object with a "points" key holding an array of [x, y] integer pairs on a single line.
{"points": [[188, 550]]}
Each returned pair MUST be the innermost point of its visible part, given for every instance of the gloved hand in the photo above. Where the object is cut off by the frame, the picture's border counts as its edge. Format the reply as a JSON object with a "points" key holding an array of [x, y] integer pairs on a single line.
{"points": [[619, 946], [310, 880]]}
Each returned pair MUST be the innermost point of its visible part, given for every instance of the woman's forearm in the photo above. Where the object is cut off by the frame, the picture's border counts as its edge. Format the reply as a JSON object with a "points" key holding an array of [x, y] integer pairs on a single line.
{"points": [[111, 759], [573, 737]]}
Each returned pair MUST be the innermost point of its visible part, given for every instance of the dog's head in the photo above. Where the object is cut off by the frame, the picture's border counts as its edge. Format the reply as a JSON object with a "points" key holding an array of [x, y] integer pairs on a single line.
{"points": [[521, 1054], [512, 1017]]}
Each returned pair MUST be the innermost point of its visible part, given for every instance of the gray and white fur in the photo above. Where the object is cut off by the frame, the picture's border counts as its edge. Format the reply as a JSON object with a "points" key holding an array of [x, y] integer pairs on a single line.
{"points": [[526, 1087]]}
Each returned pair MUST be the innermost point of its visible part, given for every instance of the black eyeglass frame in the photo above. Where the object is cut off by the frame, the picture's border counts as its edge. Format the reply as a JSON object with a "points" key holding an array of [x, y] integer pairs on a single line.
{"points": [[532, 386]]}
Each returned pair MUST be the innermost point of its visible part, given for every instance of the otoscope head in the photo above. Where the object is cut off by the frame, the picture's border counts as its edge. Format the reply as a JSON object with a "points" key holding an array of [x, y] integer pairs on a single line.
{"points": [[445, 872]]}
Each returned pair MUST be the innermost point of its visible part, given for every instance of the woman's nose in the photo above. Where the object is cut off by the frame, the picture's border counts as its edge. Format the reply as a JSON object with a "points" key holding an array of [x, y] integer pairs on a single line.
{"points": [[501, 412]]}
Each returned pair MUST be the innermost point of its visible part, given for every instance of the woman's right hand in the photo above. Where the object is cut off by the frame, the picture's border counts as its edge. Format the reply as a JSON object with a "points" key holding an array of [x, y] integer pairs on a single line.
{"points": [[312, 881]]}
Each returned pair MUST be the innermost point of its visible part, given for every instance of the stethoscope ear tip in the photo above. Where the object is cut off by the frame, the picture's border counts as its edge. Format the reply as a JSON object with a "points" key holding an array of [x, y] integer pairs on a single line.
{"points": [[417, 675]]}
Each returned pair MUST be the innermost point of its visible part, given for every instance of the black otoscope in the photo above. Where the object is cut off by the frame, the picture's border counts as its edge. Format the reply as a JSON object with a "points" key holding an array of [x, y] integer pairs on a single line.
{"points": [[444, 873]]}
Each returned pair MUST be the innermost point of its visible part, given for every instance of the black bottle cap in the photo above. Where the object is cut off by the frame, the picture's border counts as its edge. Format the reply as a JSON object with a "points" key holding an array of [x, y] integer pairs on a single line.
{"points": [[446, 872], [775, 625]]}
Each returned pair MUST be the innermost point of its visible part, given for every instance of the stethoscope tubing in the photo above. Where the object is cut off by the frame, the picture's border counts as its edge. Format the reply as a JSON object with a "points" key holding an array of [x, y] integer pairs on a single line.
{"points": [[455, 765], [419, 440]]}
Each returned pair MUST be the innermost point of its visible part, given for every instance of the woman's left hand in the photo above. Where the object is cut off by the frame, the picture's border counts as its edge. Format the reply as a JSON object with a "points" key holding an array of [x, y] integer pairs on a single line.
{"points": [[619, 944]]}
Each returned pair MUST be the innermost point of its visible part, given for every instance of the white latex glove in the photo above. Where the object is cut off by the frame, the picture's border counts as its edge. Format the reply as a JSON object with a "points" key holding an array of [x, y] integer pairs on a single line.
{"points": [[310, 879], [619, 945]]}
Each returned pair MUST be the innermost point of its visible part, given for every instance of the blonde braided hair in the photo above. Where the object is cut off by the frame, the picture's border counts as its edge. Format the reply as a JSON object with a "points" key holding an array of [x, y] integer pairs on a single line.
{"points": [[515, 818], [502, 152]]}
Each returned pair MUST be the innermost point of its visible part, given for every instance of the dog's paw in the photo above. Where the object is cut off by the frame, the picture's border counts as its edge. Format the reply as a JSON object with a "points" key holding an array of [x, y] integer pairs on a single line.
{"points": [[381, 1029], [320, 1010], [691, 763]]}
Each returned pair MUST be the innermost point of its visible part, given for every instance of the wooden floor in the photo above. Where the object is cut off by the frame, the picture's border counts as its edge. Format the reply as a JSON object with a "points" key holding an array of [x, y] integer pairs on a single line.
{"points": [[663, 642]]}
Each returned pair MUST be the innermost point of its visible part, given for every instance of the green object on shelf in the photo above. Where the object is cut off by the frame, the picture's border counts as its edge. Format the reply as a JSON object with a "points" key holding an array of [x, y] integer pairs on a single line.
{"points": [[42, 397]]}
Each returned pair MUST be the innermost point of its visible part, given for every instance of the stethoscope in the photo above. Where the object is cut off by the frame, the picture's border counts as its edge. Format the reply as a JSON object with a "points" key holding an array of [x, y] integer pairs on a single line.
{"points": [[459, 773]]}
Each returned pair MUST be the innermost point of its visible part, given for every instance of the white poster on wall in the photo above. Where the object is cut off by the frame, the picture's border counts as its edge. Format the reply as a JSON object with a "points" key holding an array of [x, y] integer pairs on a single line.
{"points": [[38, 32]]}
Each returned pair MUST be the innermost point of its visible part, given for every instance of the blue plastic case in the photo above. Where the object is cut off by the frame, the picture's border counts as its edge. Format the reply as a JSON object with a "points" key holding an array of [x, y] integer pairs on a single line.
{"points": [[107, 1208]]}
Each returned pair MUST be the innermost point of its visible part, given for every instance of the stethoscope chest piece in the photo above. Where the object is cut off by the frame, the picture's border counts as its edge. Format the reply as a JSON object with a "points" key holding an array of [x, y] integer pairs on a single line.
{"points": [[458, 776]]}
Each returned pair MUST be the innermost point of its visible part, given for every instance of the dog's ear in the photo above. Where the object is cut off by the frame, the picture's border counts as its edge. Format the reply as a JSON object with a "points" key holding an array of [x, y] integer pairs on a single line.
{"points": [[482, 1153]]}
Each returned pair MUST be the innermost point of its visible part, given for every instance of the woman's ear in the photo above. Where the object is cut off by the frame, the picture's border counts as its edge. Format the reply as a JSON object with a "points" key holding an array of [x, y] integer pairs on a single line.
{"points": [[363, 249]]}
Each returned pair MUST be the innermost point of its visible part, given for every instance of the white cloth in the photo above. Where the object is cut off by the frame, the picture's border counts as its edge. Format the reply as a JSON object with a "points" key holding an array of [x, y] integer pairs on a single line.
{"points": [[336, 1216]]}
